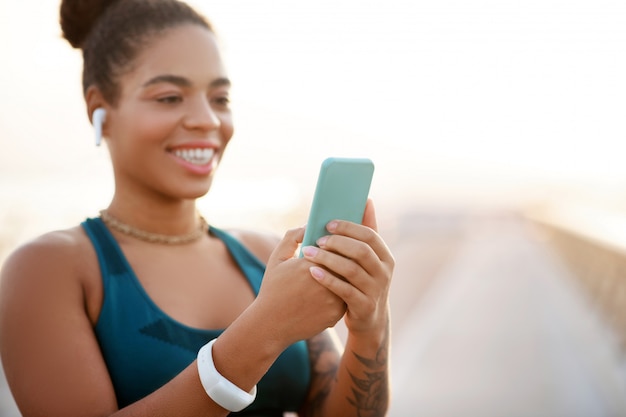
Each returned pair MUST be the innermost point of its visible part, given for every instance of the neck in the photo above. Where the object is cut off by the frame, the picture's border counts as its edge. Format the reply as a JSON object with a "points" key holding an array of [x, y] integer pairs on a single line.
{"points": [[177, 218], [112, 222]]}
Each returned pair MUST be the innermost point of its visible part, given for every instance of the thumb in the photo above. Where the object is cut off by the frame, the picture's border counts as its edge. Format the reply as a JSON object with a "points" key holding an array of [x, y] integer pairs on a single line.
{"points": [[286, 248], [369, 217]]}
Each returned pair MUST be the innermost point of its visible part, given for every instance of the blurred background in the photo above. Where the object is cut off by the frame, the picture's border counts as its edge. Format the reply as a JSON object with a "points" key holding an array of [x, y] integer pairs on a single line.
{"points": [[497, 130]]}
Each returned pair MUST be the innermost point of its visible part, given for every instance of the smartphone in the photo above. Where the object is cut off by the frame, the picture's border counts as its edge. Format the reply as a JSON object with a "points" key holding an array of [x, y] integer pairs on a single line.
{"points": [[340, 194]]}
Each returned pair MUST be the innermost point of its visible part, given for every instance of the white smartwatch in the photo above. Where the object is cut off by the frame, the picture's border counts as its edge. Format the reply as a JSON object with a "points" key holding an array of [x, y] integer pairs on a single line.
{"points": [[221, 390]]}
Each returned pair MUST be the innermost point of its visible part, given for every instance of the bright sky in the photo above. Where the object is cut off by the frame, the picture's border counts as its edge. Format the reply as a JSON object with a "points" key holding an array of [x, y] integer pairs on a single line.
{"points": [[464, 98]]}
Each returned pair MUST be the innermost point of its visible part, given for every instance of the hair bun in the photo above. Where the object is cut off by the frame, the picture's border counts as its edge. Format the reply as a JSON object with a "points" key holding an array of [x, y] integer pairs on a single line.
{"points": [[77, 18]]}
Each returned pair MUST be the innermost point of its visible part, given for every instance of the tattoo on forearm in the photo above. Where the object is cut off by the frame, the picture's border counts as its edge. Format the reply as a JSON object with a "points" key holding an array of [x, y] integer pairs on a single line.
{"points": [[370, 393], [325, 362], [367, 389]]}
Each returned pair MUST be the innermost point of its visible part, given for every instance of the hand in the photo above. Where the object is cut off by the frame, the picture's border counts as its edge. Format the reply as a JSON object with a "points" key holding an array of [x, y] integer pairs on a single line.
{"points": [[355, 264], [298, 306]]}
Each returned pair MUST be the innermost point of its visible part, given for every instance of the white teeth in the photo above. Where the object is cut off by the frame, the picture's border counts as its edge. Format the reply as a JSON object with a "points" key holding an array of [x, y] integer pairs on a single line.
{"points": [[199, 156]]}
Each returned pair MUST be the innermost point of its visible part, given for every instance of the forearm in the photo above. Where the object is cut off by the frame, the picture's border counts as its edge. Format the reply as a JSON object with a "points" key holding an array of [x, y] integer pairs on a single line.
{"points": [[362, 387], [247, 349], [358, 383]]}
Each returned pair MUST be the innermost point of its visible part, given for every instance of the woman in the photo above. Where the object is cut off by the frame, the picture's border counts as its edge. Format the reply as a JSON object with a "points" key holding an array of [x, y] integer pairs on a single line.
{"points": [[125, 314]]}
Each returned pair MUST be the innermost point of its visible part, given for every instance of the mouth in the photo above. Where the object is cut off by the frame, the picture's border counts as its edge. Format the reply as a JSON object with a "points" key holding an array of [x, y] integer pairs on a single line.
{"points": [[195, 156]]}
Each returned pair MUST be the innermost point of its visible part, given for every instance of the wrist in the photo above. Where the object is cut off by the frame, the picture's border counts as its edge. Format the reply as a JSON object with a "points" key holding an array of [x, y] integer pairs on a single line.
{"points": [[369, 341], [261, 321], [247, 349], [378, 325], [221, 390]]}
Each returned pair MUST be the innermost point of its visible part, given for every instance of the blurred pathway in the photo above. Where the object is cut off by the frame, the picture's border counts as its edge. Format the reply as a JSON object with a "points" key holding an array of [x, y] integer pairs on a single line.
{"points": [[504, 331]]}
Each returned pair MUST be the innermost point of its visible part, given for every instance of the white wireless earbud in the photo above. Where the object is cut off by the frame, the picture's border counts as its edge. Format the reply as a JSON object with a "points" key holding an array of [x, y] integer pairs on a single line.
{"points": [[98, 118]]}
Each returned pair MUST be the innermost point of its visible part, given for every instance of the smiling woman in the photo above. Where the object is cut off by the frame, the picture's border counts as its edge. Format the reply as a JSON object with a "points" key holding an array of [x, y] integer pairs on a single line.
{"points": [[171, 86], [147, 309]]}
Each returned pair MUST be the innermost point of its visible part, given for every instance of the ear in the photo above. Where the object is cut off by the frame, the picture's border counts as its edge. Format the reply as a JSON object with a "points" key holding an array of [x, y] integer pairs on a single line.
{"points": [[94, 99]]}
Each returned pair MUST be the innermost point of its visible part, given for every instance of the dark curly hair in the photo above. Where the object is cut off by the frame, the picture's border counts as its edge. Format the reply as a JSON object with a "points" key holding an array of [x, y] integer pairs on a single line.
{"points": [[111, 33]]}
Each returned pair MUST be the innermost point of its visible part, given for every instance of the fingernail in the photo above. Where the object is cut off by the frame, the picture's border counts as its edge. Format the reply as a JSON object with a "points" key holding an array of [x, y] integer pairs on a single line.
{"points": [[310, 251], [317, 272], [321, 242], [332, 226]]}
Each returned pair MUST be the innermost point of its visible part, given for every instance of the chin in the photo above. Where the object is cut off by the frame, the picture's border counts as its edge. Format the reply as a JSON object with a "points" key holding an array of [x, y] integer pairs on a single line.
{"points": [[196, 191], [191, 194], [186, 188]]}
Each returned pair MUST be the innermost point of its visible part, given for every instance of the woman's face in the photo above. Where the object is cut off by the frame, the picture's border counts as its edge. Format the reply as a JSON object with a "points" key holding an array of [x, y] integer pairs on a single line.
{"points": [[172, 122]]}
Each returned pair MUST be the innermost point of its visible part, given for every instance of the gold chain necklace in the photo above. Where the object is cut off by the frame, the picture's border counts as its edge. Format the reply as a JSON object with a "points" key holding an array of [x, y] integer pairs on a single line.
{"points": [[129, 230]]}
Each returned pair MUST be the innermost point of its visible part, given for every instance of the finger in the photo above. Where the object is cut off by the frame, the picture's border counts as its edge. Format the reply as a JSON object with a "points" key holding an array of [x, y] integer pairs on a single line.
{"points": [[362, 233], [351, 250], [348, 269], [287, 247], [351, 295], [369, 217]]}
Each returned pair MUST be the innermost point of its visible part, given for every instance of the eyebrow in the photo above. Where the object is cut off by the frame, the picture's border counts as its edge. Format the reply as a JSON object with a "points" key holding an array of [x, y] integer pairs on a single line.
{"points": [[183, 82]]}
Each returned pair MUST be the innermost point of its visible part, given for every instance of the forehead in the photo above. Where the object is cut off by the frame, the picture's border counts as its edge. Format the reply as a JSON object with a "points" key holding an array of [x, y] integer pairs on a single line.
{"points": [[189, 51]]}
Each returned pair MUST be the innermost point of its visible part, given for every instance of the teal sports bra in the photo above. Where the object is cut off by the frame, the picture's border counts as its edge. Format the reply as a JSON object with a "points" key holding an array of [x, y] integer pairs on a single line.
{"points": [[144, 348]]}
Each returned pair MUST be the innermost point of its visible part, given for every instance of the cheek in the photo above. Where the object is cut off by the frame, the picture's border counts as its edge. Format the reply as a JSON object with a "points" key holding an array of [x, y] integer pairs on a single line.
{"points": [[227, 129], [145, 128]]}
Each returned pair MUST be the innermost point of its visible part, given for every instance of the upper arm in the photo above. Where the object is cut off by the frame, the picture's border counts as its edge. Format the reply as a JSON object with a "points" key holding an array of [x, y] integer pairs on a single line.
{"points": [[49, 351]]}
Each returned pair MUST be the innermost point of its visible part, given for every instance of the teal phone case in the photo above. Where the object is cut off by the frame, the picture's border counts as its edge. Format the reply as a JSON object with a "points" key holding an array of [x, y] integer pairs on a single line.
{"points": [[341, 193]]}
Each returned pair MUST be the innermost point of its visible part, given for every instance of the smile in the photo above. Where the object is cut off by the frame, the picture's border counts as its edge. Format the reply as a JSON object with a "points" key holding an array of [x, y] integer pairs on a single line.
{"points": [[198, 156]]}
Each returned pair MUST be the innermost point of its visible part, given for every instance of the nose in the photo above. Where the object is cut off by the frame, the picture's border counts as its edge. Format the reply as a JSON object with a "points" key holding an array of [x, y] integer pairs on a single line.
{"points": [[201, 116]]}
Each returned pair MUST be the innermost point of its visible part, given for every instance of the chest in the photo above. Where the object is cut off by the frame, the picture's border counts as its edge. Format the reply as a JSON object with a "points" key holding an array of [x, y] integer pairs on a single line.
{"points": [[201, 287], [147, 338]]}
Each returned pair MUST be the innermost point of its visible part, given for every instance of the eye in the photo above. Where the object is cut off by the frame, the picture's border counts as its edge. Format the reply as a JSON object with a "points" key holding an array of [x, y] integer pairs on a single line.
{"points": [[170, 99], [222, 101]]}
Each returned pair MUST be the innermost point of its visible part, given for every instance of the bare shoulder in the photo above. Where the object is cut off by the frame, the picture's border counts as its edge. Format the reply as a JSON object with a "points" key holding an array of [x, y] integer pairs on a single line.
{"points": [[52, 245], [62, 254], [259, 243], [49, 274]]}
